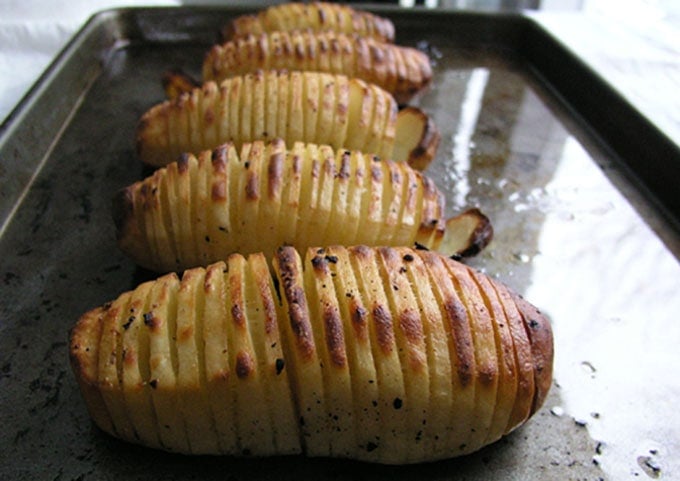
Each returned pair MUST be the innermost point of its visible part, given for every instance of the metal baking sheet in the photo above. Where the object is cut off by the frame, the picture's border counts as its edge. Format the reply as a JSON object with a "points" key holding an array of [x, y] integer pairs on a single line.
{"points": [[579, 186]]}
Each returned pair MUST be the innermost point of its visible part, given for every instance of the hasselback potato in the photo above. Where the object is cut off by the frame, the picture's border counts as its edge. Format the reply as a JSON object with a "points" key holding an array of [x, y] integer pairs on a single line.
{"points": [[296, 106], [201, 209], [388, 355], [315, 16], [401, 71]]}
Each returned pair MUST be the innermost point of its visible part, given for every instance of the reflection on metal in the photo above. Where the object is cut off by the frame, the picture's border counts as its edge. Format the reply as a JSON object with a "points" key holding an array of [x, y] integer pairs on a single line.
{"points": [[462, 140]]}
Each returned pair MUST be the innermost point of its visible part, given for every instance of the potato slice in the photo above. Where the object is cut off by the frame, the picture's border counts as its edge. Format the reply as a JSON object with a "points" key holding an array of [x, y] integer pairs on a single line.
{"points": [[264, 329], [255, 431], [355, 317], [135, 379], [160, 323], [466, 234], [329, 337], [416, 138], [302, 354], [394, 426], [191, 376]]}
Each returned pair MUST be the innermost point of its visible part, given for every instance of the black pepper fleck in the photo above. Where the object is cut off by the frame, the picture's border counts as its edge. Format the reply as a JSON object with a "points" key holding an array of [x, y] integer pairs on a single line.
{"points": [[397, 403], [129, 322], [279, 366]]}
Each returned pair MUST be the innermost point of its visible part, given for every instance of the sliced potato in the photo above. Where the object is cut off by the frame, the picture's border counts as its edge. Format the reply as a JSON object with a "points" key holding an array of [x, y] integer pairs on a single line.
{"points": [[267, 196], [241, 109], [315, 16], [467, 234], [390, 355], [401, 71], [377, 354]]}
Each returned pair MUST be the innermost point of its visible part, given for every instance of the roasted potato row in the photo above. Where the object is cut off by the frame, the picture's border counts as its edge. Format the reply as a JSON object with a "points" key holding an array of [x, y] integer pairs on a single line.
{"points": [[314, 16], [388, 355], [296, 106], [200, 209], [401, 71]]}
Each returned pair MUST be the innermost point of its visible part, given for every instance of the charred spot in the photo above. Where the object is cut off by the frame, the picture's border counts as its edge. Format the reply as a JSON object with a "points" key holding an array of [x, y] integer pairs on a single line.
{"points": [[397, 403], [411, 325], [371, 446], [244, 365], [280, 364], [183, 163], [332, 259], [252, 187], [185, 333], [319, 263], [219, 156], [335, 340], [153, 383], [408, 258], [275, 172], [384, 330], [218, 192], [533, 323], [420, 247], [151, 321], [129, 322], [238, 315]]}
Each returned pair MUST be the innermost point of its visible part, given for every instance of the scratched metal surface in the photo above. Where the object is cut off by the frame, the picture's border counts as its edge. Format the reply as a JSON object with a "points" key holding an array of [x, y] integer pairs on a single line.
{"points": [[573, 234]]}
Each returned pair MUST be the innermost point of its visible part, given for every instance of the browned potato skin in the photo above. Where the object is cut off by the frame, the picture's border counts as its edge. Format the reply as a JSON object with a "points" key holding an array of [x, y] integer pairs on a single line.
{"points": [[315, 16], [352, 198], [401, 71], [315, 330]]}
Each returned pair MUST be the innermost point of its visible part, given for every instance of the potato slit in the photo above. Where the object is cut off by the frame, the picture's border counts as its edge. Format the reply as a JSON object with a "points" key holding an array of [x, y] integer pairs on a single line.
{"points": [[410, 338], [271, 360], [134, 384], [330, 340], [326, 207], [436, 432], [254, 432], [461, 353], [301, 351], [507, 378], [362, 367], [166, 234], [523, 360], [108, 372], [388, 366], [193, 403], [216, 352], [484, 349]]}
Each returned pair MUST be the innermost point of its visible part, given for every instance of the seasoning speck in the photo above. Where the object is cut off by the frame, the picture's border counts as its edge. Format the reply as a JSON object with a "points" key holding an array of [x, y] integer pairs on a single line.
{"points": [[279, 366]]}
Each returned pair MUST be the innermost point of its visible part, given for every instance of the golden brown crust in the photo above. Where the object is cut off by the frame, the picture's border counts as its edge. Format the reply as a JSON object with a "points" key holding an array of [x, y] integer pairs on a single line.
{"points": [[375, 351], [401, 71], [540, 336], [315, 16]]}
